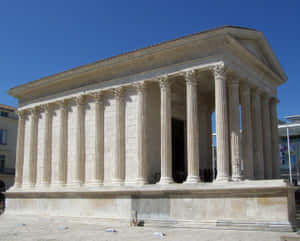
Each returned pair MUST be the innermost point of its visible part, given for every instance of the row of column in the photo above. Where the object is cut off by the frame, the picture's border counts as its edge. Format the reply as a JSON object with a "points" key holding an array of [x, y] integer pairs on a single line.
{"points": [[27, 177], [259, 147], [259, 130]]}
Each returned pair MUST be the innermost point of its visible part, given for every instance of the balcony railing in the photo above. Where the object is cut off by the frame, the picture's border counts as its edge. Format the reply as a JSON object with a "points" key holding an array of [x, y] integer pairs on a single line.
{"points": [[9, 171]]}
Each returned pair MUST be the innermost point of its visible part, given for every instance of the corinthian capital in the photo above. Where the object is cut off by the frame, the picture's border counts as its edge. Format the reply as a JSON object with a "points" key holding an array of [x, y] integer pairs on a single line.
{"points": [[190, 77], [98, 96], [274, 100], [47, 108], [63, 105], [118, 92], [164, 83], [219, 71], [140, 86], [80, 100], [34, 111], [22, 114]]}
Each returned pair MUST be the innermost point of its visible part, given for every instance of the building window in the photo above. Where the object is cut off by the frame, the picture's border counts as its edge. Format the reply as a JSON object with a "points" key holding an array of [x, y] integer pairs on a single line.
{"points": [[2, 161], [3, 137], [4, 113]]}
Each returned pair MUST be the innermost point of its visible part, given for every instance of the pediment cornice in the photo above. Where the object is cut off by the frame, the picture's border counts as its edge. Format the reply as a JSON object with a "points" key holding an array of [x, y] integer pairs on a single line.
{"points": [[212, 38]]}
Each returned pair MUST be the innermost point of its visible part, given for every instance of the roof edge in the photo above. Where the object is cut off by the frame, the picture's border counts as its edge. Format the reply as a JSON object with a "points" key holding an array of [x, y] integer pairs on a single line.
{"points": [[15, 91]]}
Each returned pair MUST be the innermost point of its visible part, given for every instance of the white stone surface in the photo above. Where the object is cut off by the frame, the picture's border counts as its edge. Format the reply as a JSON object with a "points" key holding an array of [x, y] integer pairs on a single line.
{"points": [[109, 132], [90, 135], [33, 228], [71, 140], [130, 158]]}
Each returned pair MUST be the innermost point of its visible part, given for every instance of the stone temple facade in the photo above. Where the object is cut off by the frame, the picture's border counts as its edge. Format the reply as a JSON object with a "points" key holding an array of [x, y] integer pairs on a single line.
{"points": [[132, 133]]}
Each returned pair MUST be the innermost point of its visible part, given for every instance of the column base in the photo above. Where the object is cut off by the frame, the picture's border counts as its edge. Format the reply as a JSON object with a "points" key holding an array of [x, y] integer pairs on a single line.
{"points": [[117, 182], [28, 185], [165, 181], [222, 179], [43, 185], [94, 184], [15, 187], [237, 179], [192, 180], [76, 183], [141, 181], [58, 184]]}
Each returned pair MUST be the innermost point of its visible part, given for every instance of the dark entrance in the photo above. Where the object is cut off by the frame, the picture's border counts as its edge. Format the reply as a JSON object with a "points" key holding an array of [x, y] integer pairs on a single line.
{"points": [[178, 163], [2, 197]]}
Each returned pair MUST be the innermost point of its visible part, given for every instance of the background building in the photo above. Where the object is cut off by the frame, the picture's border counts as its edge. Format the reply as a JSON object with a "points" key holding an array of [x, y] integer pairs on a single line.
{"points": [[289, 133], [8, 138]]}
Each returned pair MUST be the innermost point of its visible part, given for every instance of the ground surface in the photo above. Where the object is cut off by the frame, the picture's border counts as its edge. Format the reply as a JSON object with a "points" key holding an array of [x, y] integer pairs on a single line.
{"points": [[63, 229]]}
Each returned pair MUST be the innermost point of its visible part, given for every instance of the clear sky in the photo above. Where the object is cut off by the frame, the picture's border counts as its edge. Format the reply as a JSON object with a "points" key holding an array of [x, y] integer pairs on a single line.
{"points": [[40, 38]]}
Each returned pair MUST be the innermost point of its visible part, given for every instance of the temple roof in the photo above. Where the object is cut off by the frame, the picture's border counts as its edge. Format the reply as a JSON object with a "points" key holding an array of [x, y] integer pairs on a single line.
{"points": [[251, 40]]}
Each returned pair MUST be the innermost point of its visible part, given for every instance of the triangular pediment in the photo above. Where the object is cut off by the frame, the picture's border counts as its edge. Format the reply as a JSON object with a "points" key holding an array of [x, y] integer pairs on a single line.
{"points": [[259, 48], [255, 49]]}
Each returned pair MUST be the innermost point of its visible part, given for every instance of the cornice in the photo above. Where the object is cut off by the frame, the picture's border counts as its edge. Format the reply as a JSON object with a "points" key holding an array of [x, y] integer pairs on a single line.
{"points": [[254, 59], [126, 57]]}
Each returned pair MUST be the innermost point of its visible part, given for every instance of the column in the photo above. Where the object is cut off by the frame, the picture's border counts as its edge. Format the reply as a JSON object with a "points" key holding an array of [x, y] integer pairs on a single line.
{"points": [[275, 139], [98, 162], [192, 127], [46, 170], [20, 149], [119, 160], [223, 171], [234, 126], [266, 137], [60, 169], [165, 132], [33, 148], [141, 135], [257, 135], [247, 138], [78, 167]]}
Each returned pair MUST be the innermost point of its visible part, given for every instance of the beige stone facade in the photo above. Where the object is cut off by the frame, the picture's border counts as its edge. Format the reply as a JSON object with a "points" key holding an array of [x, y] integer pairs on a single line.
{"points": [[8, 139], [93, 139]]}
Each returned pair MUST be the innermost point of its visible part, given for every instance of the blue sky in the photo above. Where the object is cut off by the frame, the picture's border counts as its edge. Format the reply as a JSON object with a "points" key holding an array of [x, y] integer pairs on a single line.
{"points": [[40, 38]]}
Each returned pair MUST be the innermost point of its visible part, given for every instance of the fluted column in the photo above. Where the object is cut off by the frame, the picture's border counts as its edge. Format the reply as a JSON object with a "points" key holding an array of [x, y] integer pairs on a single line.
{"points": [[47, 146], [221, 124], [20, 149], [257, 135], [247, 138], [119, 160], [275, 139], [78, 167], [98, 162], [31, 181], [165, 132], [234, 126], [59, 174], [192, 127], [266, 124], [141, 135]]}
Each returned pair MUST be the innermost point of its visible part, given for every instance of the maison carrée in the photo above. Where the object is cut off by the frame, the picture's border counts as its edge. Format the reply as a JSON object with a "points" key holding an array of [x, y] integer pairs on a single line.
{"points": [[132, 134]]}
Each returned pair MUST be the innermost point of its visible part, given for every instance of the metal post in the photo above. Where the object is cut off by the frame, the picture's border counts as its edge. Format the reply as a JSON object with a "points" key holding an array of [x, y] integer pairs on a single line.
{"points": [[289, 152]]}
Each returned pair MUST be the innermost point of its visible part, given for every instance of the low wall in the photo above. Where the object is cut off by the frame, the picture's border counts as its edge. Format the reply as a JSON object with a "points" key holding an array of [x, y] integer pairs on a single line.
{"points": [[254, 205]]}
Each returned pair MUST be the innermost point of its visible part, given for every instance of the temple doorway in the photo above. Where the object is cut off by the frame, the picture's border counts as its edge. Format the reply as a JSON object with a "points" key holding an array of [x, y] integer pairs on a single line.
{"points": [[178, 153]]}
